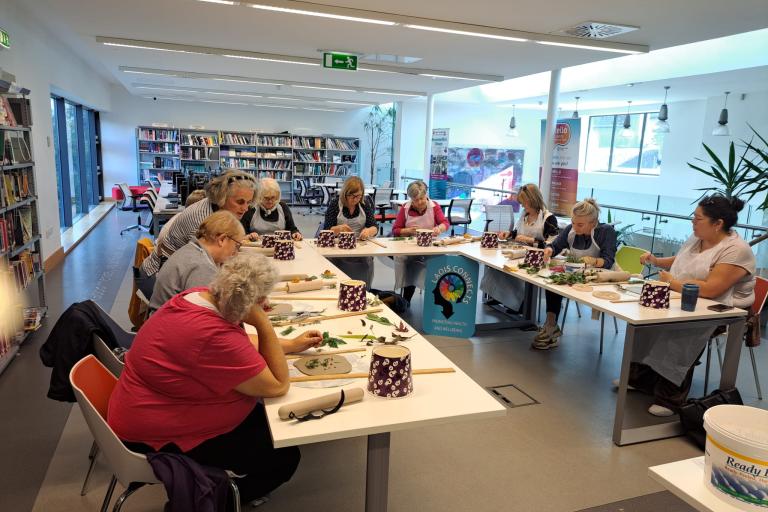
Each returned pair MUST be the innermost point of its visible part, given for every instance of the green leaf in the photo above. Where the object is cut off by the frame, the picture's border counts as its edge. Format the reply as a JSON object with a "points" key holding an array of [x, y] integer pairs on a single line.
{"points": [[378, 319], [287, 331]]}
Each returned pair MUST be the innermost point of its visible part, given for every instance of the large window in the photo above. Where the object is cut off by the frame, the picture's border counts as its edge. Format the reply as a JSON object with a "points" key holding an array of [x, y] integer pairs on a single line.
{"points": [[613, 148], [74, 135]]}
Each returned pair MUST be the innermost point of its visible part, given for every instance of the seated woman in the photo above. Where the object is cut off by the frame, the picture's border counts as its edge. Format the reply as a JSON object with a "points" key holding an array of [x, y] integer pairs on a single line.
{"points": [[722, 264], [352, 214], [196, 263], [194, 380], [233, 191], [533, 227], [419, 212], [590, 241], [271, 214]]}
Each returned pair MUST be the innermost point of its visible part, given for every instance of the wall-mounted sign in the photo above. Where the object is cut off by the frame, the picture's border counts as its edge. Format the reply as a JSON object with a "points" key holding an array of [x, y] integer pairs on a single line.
{"points": [[340, 61], [5, 39]]}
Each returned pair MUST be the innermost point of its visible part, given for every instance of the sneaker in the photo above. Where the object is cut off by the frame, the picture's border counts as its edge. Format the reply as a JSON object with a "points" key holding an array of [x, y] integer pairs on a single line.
{"points": [[547, 332], [259, 501], [661, 411], [630, 387], [547, 338]]}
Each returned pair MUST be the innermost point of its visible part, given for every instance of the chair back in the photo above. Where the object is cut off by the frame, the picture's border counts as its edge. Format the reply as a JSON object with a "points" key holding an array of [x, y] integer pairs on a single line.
{"points": [[107, 357], [387, 184], [383, 196], [127, 196], [151, 192], [499, 217], [93, 385], [459, 211], [326, 196], [761, 293], [628, 258], [123, 337]]}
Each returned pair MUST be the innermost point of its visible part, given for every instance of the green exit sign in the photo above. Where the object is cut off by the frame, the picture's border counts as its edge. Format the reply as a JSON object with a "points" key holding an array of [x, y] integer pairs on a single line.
{"points": [[5, 39], [340, 61]]}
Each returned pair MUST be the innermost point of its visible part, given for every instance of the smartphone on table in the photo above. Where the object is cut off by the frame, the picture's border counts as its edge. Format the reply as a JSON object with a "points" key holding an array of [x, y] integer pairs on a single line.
{"points": [[719, 307]]}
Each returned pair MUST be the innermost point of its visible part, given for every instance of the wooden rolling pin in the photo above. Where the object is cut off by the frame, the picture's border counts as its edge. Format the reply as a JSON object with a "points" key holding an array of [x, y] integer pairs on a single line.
{"points": [[451, 241], [291, 277], [303, 286], [612, 276], [321, 402], [313, 319], [320, 354], [364, 375]]}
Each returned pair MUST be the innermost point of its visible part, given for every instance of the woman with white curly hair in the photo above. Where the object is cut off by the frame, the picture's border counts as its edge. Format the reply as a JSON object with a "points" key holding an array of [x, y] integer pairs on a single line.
{"points": [[193, 379], [270, 214]]}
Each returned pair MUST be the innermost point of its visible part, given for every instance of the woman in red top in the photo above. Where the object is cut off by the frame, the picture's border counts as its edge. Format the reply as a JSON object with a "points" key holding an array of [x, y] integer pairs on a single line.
{"points": [[193, 379], [419, 212]]}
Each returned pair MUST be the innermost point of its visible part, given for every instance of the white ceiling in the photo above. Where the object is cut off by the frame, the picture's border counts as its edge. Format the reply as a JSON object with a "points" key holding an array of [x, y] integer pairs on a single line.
{"points": [[189, 22]]}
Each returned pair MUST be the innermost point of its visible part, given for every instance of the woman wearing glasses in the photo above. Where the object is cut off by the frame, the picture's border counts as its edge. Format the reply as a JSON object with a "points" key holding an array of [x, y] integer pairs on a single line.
{"points": [[352, 214], [194, 379], [234, 192], [271, 214]]}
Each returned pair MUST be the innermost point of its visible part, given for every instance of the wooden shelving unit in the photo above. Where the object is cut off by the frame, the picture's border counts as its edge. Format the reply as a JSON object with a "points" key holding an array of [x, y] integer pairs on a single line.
{"points": [[20, 250]]}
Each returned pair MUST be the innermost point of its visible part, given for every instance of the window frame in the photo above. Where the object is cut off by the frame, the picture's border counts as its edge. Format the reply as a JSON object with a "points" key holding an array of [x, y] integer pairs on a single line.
{"points": [[618, 124]]}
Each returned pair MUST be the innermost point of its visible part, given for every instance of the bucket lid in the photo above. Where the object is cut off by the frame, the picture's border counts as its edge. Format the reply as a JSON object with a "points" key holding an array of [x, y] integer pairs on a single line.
{"points": [[744, 423]]}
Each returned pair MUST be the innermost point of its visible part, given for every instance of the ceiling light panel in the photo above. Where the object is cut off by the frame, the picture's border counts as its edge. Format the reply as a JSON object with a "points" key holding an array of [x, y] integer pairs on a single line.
{"points": [[629, 51], [324, 88], [466, 33], [327, 12]]}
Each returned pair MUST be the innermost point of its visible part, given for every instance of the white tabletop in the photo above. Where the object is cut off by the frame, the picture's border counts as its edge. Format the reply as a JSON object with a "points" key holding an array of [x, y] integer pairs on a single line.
{"points": [[630, 312], [391, 248], [160, 207], [685, 479]]}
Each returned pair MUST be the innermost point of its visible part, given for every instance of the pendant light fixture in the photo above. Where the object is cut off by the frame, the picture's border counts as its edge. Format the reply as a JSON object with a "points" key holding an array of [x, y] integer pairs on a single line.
{"points": [[576, 111], [722, 130], [627, 131], [512, 131], [662, 126]]}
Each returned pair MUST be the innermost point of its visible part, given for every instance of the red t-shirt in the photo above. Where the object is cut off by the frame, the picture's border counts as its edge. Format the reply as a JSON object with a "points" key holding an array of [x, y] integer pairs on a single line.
{"points": [[179, 378]]}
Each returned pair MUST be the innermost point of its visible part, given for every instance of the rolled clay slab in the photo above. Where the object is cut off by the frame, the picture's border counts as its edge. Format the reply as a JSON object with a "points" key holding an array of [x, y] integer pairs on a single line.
{"points": [[612, 276], [582, 287], [601, 294], [326, 364], [322, 402]]}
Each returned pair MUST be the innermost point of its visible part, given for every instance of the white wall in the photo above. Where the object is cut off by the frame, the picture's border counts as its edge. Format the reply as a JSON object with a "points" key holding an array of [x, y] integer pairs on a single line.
{"points": [[44, 65], [118, 127]]}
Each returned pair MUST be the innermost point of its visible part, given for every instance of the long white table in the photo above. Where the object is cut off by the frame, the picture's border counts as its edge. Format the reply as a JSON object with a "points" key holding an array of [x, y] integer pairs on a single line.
{"points": [[685, 479], [161, 214], [626, 428], [436, 399]]}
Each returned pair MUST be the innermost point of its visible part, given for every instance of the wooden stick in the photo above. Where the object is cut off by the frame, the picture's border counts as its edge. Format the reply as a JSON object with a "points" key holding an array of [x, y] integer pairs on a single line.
{"points": [[321, 354], [313, 319], [375, 242], [364, 375], [296, 296]]}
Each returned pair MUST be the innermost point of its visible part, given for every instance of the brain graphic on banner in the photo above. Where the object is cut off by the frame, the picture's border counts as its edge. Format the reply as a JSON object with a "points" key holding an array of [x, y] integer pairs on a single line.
{"points": [[450, 296]]}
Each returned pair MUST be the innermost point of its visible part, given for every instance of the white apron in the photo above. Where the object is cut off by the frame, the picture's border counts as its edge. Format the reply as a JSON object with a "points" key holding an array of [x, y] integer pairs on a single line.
{"points": [[411, 270], [592, 251], [360, 268], [509, 290], [265, 227], [672, 355]]}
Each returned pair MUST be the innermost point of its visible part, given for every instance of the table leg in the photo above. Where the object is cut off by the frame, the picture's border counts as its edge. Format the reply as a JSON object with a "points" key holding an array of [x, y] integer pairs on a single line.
{"points": [[732, 353], [377, 475], [621, 398]]}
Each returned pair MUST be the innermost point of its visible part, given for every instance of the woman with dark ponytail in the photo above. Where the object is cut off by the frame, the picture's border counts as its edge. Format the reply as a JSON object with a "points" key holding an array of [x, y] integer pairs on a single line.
{"points": [[722, 265]]}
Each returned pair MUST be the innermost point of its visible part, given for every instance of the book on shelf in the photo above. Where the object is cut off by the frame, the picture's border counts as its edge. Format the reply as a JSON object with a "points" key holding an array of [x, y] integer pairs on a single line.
{"points": [[342, 144], [199, 153], [308, 142], [161, 163], [21, 111], [6, 113], [32, 318], [156, 134], [158, 147], [237, 138], [15, 148], [238, 153], [198, 140], [238, 163], [274, 140], [25, 221]]}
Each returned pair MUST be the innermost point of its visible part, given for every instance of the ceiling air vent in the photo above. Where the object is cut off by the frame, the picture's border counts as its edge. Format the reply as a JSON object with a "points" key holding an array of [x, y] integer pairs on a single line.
{"points": [[596, 30]]}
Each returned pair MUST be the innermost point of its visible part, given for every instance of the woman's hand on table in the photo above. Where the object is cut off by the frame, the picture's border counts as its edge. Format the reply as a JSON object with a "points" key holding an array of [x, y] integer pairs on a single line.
{"points": [[648, 258], [589, 261], [437, 230], [369, 232], [341, 228], [297, 236], [527, 240], [503, 235], [302, 342], [665, 276], [547, 254], [251, 237]]}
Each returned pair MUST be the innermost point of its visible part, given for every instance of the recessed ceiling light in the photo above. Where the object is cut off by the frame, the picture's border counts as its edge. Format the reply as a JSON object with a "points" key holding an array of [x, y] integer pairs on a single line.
{"points": [[323, 109], [377, 70], [466, 33], [588, 47], [155, 48], [233, 94], [164, 89], [223, 2], [224, 102], [349, 103], [392, 93], [323, 88], [436, 75], [273, 106], [240, 80], [147, 73], [282, 98], [282, 61], [319, 14]]}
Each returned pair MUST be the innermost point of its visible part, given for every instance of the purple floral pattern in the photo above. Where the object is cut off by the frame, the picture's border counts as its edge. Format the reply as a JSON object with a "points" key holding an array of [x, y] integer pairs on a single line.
{"points": [[284, 250], [655, 295], [424, 237], [268, 241], [347, 240], [283, 234], [489, 240], [534, 259], [389, 376], [326, 238], [352, 296]]}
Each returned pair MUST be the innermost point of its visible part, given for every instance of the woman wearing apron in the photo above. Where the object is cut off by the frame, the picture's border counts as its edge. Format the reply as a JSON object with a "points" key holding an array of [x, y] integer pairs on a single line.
{"points": [[271, 214], [533, 227], [352, 214], [723, 266], [593, 243], [418, 213]]}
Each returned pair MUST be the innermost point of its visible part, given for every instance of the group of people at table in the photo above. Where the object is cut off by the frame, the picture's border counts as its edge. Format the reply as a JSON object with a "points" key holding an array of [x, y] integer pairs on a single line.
{"points": [[194, 379]]}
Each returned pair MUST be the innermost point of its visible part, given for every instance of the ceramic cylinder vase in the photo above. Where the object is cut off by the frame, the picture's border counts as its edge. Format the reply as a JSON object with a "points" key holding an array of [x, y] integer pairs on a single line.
{"points": [[534, 258], [347, 240], [283, 234], [352, 295], [284, 250], [655, 294], [424, 237], [490, 240], [390, 372], [326, 238], [268, 241]]}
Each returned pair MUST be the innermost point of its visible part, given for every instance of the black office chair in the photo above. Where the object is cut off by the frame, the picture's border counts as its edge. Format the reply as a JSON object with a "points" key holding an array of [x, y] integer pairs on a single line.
{"points": [[310, 196], [131, 202], [459, 213]]}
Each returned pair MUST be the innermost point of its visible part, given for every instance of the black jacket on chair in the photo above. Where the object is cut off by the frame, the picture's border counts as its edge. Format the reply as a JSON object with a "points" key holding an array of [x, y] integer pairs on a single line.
{"points": [[70, 340]]}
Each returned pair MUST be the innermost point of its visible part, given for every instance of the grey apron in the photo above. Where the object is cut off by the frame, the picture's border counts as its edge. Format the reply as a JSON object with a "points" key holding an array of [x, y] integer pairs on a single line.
{"points": [[264, 227], [360, 268]]}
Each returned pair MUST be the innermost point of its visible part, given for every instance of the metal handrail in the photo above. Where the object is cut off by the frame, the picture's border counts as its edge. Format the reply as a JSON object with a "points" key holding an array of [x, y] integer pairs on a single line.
{"points": [[676, 216], [462, 185]]}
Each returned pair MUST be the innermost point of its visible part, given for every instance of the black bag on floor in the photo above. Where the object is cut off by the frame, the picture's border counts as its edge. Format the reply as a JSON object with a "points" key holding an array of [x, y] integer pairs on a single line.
{"points": [[393, 300], [692, 412]]}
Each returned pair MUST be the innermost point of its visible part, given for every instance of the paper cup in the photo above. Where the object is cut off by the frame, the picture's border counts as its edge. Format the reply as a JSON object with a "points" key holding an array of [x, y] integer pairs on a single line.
{"points": [[326, 238], [534, 258], [268, 241], [390, 372], [490, 240], [424, 237], [283, 234], [284, 250], [655, 294], [352, 295], [347, 240]]}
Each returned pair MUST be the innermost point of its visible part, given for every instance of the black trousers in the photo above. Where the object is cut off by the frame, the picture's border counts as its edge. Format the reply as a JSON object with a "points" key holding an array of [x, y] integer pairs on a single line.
{"points": [[665, 393], [554, 303], [245, 450]]}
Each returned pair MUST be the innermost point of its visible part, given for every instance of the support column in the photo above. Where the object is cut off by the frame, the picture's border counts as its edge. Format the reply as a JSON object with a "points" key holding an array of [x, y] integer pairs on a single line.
{"points": [[549, 135], [397, 138], [428, 135]]}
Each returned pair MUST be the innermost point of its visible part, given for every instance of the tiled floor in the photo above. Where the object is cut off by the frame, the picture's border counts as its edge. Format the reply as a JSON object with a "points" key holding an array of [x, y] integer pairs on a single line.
{"points": [[554, 456]]}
